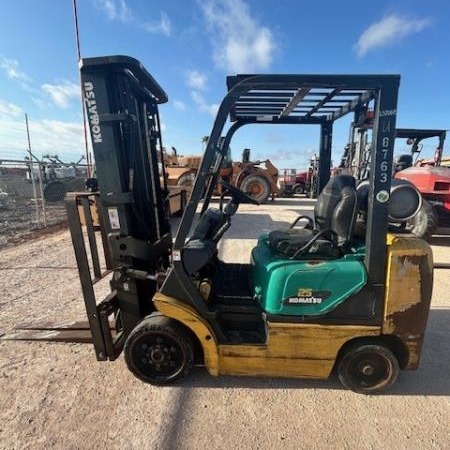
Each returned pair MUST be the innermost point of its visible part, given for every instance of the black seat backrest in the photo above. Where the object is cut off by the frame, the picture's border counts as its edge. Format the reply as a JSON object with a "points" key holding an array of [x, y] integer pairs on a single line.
{"points": [[209, 224], [336, 208], [200, 248]]}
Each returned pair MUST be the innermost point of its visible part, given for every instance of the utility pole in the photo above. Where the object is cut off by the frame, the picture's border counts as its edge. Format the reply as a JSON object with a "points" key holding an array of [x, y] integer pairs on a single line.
{"points": [[77, 39], [33, 183]]}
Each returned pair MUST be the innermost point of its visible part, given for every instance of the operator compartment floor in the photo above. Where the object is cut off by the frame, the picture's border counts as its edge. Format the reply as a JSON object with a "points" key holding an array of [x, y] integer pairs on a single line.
{"points": [[238, 312], [232, 284]]}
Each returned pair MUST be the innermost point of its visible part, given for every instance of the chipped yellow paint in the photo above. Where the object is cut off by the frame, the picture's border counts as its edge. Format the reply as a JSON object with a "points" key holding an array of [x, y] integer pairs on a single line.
{"points": [[403, 279], [292, 350], [414, 351], [390, 238], [187, 315]]}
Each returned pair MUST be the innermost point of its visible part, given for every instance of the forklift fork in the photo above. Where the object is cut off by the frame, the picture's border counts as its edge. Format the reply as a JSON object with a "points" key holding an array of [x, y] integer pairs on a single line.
{"points": [[88, 224]]}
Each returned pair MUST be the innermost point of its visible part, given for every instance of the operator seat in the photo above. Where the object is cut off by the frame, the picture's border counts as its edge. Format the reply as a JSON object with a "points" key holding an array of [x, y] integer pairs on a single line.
{"points": [[328, 235]]}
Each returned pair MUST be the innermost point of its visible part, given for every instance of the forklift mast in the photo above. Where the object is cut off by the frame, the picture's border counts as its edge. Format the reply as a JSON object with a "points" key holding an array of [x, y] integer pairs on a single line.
{"points": [[121, 100]]}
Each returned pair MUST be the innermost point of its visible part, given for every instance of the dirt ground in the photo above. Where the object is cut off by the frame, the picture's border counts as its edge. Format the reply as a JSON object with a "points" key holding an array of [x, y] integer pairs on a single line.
{"points": [[58, 396]]}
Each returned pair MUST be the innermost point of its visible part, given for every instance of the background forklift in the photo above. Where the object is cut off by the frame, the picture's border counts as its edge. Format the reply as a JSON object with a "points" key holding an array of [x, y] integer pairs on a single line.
{"points": [[312, 299], [432, 181], [429, 176]]}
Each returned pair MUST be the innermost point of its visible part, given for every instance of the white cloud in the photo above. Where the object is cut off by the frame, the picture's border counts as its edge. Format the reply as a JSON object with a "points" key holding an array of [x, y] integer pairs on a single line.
{"points": [[47, 136], [118, 10], [240, 43], [388, 31], [11, 68], [179, 105], [58, 126], [9, 109], [202, 105], [115, 10], [61, 94], [162, 26], [196, 80]]}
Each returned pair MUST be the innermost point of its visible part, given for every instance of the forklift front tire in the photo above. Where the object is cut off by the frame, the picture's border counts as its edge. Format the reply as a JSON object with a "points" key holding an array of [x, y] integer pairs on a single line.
{"points": [[159, 351], [368, 368]]}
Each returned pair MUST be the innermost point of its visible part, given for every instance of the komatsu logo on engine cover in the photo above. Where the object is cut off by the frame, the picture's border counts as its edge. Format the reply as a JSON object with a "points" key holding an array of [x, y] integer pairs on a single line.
{"points": [[306, 296], [91, 106]]}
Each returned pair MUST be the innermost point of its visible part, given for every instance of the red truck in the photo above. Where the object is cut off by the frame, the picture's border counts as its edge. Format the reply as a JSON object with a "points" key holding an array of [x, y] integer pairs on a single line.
{"points": [[293, 182]]}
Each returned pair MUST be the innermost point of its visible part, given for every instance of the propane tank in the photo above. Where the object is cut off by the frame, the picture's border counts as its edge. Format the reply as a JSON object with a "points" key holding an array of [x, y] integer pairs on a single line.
{"points": [[405, 200]]}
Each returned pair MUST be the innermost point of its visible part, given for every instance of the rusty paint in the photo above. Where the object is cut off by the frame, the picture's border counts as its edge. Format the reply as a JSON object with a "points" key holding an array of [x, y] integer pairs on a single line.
{"points": [[408, 293], [292, 350]]}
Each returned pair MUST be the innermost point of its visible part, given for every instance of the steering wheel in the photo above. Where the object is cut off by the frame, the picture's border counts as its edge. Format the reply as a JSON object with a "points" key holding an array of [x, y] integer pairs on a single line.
{"points": [[237, 194]]}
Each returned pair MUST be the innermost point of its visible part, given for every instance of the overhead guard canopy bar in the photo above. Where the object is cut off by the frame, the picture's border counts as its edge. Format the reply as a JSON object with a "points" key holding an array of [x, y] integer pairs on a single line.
{"points": [[312, 96], [405, 133]]}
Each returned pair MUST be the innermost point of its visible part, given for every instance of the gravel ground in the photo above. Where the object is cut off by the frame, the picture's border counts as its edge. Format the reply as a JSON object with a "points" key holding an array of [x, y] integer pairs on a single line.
{"points": [[18, 220], [58, 396]]}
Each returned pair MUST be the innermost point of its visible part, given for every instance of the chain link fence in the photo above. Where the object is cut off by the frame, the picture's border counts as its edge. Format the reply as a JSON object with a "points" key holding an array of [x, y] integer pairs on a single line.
{"points": [[32, 196]]}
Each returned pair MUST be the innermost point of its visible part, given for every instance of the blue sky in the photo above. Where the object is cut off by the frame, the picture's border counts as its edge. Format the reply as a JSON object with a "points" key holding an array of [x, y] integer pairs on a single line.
{"points": [[190, 46]]}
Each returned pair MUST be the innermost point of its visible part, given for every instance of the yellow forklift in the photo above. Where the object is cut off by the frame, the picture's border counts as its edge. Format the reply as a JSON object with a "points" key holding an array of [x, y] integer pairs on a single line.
{"points": [[313, 300]]}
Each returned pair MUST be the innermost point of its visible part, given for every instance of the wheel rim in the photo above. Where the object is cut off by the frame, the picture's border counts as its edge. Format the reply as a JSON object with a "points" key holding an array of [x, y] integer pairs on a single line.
{"points": [[369, 370], [255, 189], [158, 356]]}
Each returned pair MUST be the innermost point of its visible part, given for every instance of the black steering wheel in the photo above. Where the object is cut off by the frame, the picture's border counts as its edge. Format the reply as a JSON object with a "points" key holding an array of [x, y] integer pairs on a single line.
{"points": [[238, 195]]}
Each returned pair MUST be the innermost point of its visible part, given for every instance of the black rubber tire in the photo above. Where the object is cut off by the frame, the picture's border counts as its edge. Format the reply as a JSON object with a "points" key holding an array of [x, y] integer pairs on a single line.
{"points": [[257, 187], [299, 189], [375, 358], [186, 180], [425, 223], [159, 350]]}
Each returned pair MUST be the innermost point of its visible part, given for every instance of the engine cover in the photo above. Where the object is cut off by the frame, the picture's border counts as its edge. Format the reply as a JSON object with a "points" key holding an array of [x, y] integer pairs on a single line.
{"points": [[303, 287]]}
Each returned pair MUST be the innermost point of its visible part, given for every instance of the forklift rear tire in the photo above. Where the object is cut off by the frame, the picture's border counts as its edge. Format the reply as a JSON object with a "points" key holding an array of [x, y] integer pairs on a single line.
{"points": [[368, 368], [159, 351]]}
